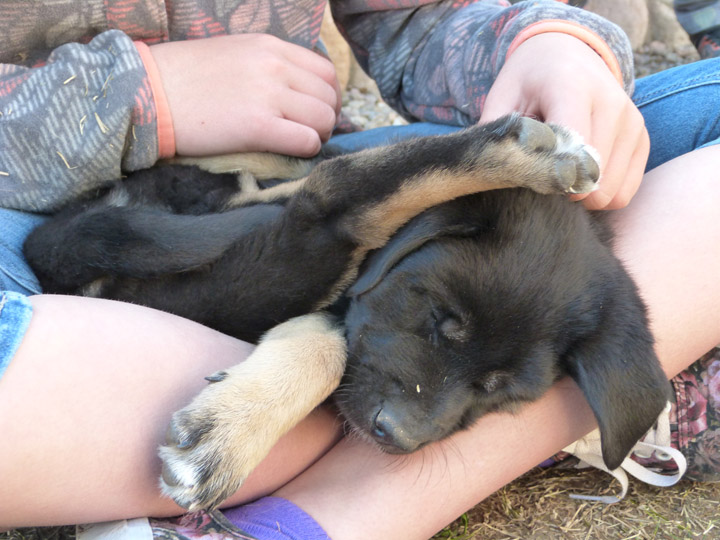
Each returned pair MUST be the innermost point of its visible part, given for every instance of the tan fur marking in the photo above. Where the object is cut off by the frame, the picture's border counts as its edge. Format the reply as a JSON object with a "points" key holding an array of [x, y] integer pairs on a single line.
{"points": [[378, 223], [500, 165], [94, 289], [293, 369], [345, 280], [247, 182], [262, 165], [281, 191]]}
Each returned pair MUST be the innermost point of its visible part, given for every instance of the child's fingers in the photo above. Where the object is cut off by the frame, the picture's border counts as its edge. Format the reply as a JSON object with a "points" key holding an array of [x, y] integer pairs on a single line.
{"points": [[323, 68], [288, 137], [622, 128], [310, 111]]}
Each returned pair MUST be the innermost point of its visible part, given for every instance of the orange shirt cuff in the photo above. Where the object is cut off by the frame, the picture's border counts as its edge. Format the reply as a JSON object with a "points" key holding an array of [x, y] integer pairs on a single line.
{"points": [[165, 131], [573, 29]]}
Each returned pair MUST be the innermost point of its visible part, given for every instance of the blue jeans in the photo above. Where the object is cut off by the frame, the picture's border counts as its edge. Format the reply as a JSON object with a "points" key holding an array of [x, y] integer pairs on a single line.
{"points": [[681, 107]]}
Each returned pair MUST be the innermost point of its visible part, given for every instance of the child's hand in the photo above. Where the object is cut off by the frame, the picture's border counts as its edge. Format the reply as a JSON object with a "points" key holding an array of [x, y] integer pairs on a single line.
{"points": [[557, 78], [250, 92]]}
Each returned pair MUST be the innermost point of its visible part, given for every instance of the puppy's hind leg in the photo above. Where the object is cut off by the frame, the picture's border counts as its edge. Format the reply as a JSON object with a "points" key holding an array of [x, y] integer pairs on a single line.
{"points": [[215, 442]]}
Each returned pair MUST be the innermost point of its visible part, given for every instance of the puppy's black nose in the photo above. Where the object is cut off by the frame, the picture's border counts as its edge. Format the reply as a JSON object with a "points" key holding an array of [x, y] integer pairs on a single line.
{"points": [[390, 433]]}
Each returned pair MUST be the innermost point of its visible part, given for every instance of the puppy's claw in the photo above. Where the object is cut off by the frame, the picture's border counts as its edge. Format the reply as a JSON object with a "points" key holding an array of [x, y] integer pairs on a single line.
{"points": [[181, 434], [577, 166], [183, 445], [171, 435], [572, 190], [216, 377], [577, 177], [587, 173]]}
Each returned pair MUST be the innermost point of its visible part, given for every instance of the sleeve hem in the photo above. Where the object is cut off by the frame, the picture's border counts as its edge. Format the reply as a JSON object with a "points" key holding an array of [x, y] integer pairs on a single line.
{"points": [[576, 30], [165, 130]]}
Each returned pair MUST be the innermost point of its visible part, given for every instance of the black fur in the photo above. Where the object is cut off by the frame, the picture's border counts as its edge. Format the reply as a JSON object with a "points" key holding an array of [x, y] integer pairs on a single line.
{"points": [[475, 306], [482, 303]]}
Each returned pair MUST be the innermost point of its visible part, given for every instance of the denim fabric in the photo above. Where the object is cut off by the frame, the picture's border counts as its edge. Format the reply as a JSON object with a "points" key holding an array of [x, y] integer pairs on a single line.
{"points": [[15, 312], [353, 142], [681, 107], [15, 274]]}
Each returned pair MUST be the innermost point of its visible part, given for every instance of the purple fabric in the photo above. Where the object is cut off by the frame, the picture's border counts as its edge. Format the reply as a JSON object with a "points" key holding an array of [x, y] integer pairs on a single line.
{"points": [[274, 518]]}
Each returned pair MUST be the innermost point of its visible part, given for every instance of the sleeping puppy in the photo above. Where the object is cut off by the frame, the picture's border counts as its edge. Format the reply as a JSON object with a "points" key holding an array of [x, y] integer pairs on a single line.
{"points": [[495, 296], [466, 305]]}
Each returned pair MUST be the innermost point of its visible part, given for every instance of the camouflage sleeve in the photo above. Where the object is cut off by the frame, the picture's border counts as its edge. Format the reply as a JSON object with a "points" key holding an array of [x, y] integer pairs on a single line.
{"points": [[435, 60], [74, 123]]}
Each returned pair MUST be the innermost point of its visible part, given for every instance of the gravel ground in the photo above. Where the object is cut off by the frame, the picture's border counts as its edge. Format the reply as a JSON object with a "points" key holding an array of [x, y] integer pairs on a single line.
{"points": [[657, 56], [366, 110]]}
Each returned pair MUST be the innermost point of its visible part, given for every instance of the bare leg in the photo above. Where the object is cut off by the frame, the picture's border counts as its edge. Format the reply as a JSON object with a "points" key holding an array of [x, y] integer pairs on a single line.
{"points": [[87, 399], [669, 238]]}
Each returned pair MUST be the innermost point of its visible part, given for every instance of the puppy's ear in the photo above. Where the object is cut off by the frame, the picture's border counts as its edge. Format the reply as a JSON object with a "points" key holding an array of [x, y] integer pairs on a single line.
{"points": [[442, 220], [619, 373]]}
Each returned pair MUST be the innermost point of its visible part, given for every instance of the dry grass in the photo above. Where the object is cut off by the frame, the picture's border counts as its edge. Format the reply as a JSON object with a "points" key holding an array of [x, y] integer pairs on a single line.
{"points": [[537, 506], [40, 533]]}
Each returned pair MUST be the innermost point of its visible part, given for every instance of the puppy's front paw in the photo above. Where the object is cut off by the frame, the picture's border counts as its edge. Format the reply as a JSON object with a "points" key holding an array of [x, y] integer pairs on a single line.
{"points": [[546, 158], [214, 443], [578, 163]]}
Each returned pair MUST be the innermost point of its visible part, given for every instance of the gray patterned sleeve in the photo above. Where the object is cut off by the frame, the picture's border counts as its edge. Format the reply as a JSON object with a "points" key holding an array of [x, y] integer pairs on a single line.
{"points": [[435, 60], [74, 123]]}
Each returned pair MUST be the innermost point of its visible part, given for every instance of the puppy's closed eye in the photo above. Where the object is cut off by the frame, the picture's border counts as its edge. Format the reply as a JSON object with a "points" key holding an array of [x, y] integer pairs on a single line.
{"points": [[495, 380], [448, 326], [452, 327]]}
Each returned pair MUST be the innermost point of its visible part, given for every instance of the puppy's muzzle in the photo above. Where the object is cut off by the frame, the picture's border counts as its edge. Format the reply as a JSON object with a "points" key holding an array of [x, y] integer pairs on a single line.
{"points": [[389, 432]]}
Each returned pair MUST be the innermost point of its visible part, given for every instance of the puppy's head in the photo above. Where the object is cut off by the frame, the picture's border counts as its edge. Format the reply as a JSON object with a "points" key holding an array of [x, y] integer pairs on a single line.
{"points": [[438, 343], [444, 329]]}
